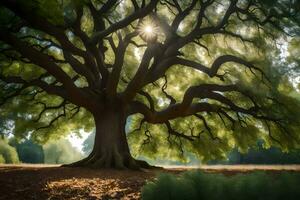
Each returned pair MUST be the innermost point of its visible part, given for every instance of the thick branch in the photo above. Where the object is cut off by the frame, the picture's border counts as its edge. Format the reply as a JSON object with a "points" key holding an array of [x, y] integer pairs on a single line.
{"points": [[41, 24], [38, 58], [125, 22]]}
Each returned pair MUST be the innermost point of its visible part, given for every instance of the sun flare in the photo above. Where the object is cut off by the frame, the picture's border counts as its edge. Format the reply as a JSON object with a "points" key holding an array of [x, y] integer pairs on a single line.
{"points": [[148, 30]]}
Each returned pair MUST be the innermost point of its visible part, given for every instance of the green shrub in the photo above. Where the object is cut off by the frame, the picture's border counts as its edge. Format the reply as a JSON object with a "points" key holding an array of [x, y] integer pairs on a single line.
{"points": [[205, 186], [8, 153], [2, 161], [61, 152]]}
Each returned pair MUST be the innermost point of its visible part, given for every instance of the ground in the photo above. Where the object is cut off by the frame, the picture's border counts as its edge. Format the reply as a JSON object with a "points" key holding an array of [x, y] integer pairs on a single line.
{"points": [[53, 182]]}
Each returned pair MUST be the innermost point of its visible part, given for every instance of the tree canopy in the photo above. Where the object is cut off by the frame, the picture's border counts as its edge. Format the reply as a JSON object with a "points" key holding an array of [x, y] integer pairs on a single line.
{"points": [[201, 76]]}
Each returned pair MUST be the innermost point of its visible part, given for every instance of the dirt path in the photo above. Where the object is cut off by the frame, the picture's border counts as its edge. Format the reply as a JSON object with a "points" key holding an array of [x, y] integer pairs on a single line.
{"points": [[52, 182]]}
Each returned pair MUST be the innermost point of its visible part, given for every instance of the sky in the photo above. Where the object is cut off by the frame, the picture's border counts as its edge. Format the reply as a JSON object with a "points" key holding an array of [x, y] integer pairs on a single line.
{"points": [[77, 141]]}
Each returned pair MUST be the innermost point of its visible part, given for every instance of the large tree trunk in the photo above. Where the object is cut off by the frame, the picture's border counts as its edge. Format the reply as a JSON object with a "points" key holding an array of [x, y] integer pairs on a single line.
{"points": [[110, 148]]}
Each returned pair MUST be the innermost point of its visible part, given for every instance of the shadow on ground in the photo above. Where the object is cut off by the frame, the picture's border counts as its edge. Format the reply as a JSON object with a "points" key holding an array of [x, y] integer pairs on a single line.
{"points": [[70, 183]]}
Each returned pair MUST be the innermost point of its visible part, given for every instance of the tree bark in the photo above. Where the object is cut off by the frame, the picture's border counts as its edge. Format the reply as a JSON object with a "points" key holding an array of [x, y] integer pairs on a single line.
{"points": [[110, 149]]}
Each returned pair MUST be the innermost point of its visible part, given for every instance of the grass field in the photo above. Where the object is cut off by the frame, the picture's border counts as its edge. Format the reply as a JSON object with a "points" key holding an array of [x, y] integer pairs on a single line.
{"points": [[53, 182], [238, 168]]}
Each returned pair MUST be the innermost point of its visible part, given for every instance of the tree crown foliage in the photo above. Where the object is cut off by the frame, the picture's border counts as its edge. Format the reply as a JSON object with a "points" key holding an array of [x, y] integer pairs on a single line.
{"points": [[212, 75]]}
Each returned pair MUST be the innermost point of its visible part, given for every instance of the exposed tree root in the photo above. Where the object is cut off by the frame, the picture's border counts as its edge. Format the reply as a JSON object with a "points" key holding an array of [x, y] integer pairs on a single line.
{"points": [[111, 159]]}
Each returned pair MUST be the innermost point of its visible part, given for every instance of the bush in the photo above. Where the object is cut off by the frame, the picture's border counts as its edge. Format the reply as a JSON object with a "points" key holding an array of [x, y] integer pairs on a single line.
{"points": [[204, 186], [61, 152], [8, 153], [2, 161]]}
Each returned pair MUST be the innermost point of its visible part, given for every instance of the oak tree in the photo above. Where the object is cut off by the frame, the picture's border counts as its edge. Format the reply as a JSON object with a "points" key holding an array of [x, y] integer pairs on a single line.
{"points": [[197, 76]]}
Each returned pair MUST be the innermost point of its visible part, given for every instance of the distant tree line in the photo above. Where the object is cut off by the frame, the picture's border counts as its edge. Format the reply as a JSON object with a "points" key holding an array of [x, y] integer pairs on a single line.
{"points": [[61, 151], [265, 156], [261, 155], [257, 155], [27, 151]]}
